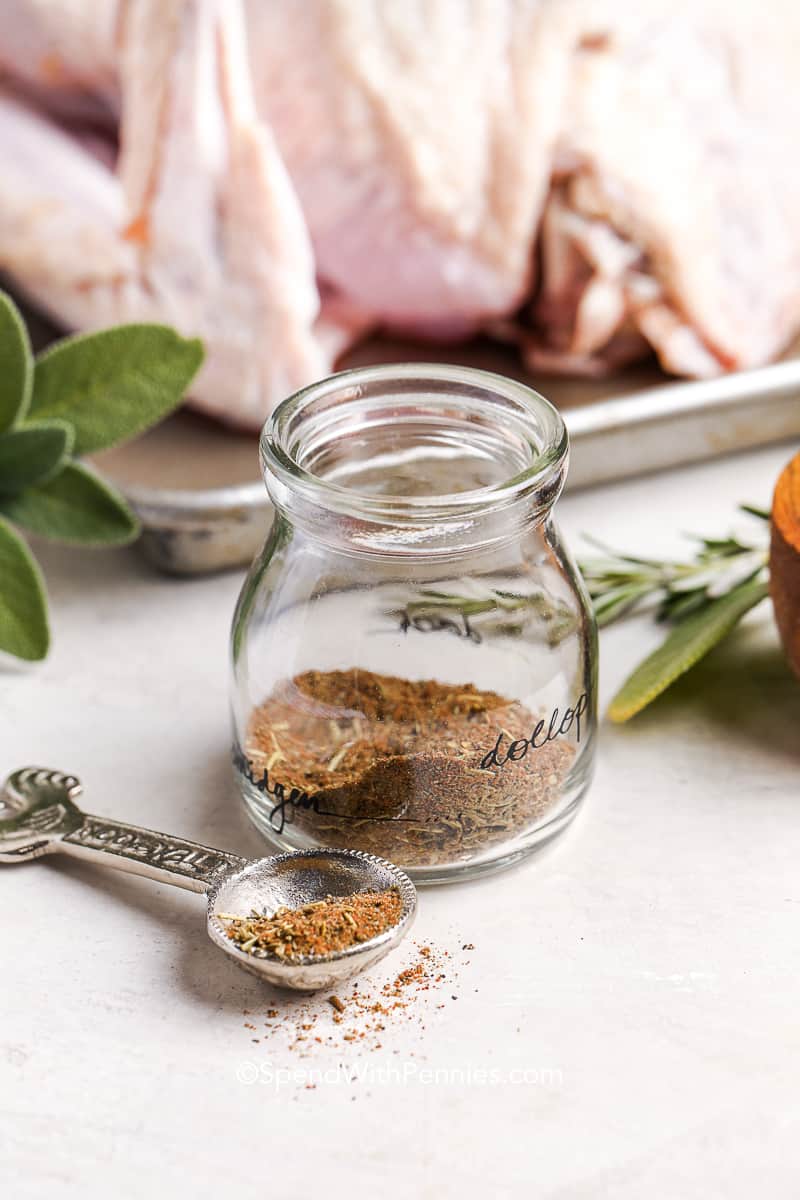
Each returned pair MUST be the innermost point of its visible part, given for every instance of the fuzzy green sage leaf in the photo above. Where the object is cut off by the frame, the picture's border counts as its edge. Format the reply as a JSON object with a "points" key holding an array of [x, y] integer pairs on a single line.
{"points": [[688, 642], [76, 506], [24, 630], [114, 384], [33, 454], [16, 364]]}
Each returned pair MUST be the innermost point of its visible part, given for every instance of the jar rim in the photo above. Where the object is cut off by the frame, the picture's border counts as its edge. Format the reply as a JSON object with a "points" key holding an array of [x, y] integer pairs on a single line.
{"points": [[547, 439]]}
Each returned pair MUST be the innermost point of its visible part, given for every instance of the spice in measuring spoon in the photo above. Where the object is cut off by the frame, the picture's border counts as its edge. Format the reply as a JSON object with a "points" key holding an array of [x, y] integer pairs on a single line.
{"points": [[315, 930]]}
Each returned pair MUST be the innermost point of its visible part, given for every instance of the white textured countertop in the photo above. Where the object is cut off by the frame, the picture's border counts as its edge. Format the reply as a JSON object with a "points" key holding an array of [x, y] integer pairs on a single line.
{"points": [[626, 1026]]}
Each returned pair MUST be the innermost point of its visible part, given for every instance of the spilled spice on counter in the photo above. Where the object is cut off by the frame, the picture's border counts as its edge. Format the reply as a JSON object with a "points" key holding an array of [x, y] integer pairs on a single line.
{"points": [[317, 929], [402, 768], [368, 1013]]}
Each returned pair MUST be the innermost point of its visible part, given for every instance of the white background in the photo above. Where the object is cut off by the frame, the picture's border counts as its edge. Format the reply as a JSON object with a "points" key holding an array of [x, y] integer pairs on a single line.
{"points": [[642, 974]]}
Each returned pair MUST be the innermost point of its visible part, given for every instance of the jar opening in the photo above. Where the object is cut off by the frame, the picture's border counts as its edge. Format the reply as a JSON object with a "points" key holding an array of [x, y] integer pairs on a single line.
{"points": [[415, 457], [411, 443]]}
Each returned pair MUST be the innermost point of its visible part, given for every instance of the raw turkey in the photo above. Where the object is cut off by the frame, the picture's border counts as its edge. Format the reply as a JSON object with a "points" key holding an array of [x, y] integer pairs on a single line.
{"points": [[591, 179]]}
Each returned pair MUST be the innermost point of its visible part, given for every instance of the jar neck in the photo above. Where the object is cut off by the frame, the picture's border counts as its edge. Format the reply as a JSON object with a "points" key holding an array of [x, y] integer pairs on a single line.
{"points": [[414, 459]]}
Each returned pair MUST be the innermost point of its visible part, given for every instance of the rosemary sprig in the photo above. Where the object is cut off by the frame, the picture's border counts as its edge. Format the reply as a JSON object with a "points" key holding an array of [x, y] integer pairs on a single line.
{"points": [[702, 599], [500, 614]]}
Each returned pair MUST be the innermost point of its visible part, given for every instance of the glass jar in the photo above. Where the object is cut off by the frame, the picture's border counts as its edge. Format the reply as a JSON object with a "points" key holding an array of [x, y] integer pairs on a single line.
{"points": [[414, 654]]}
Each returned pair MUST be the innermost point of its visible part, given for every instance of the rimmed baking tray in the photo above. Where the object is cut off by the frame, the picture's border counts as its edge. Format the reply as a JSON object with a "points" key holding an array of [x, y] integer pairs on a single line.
{"points": [[197, 489]]}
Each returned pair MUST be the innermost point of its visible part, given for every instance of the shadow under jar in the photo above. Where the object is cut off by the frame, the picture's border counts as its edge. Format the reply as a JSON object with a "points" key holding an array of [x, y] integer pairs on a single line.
{"points": [[414, 654]]}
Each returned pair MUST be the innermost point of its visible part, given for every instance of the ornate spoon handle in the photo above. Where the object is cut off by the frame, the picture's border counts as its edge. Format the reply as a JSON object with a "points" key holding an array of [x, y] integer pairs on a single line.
{"points": [[38, 816]]}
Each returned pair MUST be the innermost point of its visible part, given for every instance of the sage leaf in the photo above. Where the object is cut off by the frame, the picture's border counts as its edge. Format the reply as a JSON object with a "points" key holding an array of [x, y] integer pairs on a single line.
{"points": [[33, 454], [24, 630], [114, 384], [16, 364], [688, 642], [76, 506]]}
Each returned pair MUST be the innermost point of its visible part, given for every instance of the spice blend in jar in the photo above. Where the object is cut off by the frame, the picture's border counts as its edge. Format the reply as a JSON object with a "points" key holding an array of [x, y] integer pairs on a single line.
{"points": [[419, 771]]}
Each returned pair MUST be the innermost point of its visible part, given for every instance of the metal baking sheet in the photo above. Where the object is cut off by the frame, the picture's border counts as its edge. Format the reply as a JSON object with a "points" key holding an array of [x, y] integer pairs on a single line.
{"points": [[197, 489]]}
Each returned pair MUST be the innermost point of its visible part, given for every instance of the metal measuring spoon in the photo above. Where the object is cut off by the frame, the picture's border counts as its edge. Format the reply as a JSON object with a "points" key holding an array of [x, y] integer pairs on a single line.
{"points": [[38, 816]]}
